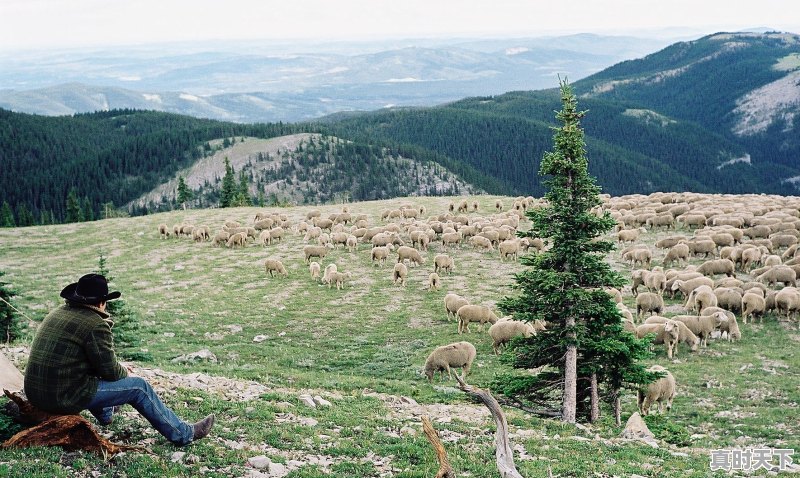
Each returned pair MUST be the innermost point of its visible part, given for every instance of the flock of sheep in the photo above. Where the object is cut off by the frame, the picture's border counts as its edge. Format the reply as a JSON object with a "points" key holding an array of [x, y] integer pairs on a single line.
{"points": [[755, 236], [747, 245]]}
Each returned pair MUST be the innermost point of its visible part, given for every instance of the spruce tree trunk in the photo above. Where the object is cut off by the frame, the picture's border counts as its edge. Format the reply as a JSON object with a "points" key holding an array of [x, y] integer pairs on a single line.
{"points": [[570, 377], [595, 415], [617, 409]]}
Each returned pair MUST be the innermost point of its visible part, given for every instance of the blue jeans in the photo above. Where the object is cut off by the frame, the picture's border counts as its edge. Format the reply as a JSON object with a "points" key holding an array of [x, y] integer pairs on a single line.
{"points": [[141, 396]]}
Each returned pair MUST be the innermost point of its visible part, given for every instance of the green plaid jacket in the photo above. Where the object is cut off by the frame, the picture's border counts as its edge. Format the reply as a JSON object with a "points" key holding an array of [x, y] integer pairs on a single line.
{"points": [[72, 350]]}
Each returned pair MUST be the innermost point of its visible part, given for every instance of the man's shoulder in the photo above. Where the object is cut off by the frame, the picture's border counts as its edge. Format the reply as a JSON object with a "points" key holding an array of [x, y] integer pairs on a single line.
{"points": [[82, 316]]}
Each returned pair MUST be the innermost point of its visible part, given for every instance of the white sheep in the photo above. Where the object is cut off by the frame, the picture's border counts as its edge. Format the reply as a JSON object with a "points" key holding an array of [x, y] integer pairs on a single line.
{"points": [[666, 333], [452, 302], [504, 330], [316, 251], [409, 253], [660, 391], [443, 262], [399, 274], [509, 247], [163, 230], [649, 302], [273, 266], [753, 305], [314, 268], [685, 335], [455, 355], [329, 269], [381, 253], [338, 278], [433, 281], [703, 325], [474, 313]]}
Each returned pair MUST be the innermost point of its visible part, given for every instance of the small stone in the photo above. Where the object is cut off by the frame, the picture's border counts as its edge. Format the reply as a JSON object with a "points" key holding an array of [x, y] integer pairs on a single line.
{"points": [[308, 422], [169, 334], [179, 267], [177, 456], [580, 438], [636, 429], [408, 401], [321, 401], [259, 462], [201, 355], [277, 470], [306, 400], [255, 474], [408, 431], [249, 409], [259, 338], [580, 426]]}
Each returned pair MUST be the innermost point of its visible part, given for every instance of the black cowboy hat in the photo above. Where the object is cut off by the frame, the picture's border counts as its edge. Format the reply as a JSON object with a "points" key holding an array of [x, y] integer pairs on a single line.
{"points": [[90, 289]]}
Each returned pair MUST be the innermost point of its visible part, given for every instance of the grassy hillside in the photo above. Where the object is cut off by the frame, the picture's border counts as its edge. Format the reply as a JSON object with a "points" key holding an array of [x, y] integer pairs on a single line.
{"points": [[361, 348]]}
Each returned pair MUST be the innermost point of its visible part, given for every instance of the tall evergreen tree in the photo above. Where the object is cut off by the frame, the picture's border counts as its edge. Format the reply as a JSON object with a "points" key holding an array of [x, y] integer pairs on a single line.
{"points": [[228, 193], [184, 193], [242, 197], [10, 322], [7, 216], [87, 209], [584, 343], [74, 213], [24, 216]]}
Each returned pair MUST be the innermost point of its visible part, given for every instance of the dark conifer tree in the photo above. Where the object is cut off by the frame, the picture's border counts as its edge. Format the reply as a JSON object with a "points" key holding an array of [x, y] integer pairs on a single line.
{"points": [[584, 344], [7, 216], [74, 213]]}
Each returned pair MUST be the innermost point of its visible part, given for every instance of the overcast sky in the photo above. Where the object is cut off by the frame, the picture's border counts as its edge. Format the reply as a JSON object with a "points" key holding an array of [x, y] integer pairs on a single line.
{"points": [[33, 24]]}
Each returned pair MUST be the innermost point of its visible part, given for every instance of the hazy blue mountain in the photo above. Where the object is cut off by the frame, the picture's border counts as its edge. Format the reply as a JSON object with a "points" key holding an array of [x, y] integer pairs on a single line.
{"points": [[263, 82]]}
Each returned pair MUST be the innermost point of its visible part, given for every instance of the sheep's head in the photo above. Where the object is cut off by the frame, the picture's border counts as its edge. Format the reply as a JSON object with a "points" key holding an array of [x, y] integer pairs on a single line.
{"points": [[720, 318], [695, 344], [677, 285]]}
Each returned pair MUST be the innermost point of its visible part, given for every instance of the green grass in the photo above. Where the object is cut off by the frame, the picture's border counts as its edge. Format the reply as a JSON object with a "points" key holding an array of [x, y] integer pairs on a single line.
{"points": [[359, 347]]}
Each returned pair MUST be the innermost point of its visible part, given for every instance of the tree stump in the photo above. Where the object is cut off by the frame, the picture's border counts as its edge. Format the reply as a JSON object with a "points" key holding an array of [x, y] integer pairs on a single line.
{"points": [[71, 432]]}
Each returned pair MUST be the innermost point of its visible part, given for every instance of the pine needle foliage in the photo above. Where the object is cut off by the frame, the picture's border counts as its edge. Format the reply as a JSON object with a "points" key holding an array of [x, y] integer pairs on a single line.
{"points": [[564, 285]]}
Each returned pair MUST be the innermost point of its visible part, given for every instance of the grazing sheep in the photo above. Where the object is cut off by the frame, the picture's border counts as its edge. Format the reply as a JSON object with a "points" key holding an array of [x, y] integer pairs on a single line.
{"points": [[505, 329], [625, 312], [312, 233], [669, 242], [276, 234], [679, 253], [419, 238], [176, 230], [655, 281], [187, 229], [453, 302], [772, 260], [163, 230], [730, 328], [400, 273], [700, 298], [688, 285], [753, 305], [329, 269], [629, 235], [648, 302], [474, 313], [338, 278], [684, 334], [784, 274], [409, 253], [665, 220], [498, 205], [787, 301], [509, 247], [615, 294], [220, 238], [703, 325], [704, 246], [263, 224], [641, 257], [666, 333], [481, 242], [351, 243], [717, 266], [451, 238], [444, 263], [456, 355], [237, 239], [433, 281], [232, 224], [310, 215], [381, 253], [723, 239], [316, 251], [729, 299], [274, 266], [492, 234], [264, 238], [659, 392], [314, 268], [323, 223]]}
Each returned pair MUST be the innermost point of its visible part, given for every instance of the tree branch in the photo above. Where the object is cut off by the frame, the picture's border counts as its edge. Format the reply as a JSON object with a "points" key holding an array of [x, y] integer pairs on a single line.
{"points": [[445, 470], [504, 454]]}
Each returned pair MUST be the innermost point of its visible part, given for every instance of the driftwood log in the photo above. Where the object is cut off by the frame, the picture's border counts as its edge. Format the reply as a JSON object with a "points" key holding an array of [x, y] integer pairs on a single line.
{"points": [[71, 432], [504, 454], [445, 470]]}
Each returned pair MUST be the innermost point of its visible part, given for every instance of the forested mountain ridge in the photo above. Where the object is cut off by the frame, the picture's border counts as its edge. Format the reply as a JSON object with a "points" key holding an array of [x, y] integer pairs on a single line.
{"points": [[133, 159], [665, 122]]}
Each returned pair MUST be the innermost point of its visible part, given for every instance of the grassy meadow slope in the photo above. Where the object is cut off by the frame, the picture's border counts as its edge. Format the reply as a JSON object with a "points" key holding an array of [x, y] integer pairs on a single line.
{"points": [[362, 349]]}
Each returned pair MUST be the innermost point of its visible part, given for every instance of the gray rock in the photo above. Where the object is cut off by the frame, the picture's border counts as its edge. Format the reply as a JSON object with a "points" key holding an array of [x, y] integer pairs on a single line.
{"points": [[306, 400], [636, 429], [199, 356], [321, 401], [177, 456], [259, 462], [277, 470]]}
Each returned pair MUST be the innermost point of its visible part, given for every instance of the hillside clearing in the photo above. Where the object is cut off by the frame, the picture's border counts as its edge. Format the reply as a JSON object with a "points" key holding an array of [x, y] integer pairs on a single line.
{"points": [[362, 349]]}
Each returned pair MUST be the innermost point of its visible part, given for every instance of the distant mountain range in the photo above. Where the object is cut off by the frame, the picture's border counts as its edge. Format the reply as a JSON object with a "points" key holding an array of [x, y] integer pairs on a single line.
{"points": [[260, 83], [717, 114]]}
